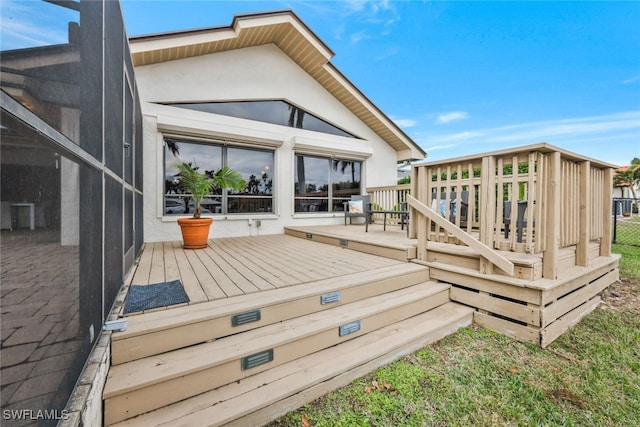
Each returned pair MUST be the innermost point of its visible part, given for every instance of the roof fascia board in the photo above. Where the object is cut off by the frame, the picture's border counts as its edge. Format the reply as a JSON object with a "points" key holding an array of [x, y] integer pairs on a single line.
{"points": [[282, 18], [160, 42], [173, 40]]}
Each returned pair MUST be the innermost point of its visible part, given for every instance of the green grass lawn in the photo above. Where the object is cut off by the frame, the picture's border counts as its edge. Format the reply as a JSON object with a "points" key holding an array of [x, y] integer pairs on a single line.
{"points": [[588, 376], [630, 261], [628, 231]]}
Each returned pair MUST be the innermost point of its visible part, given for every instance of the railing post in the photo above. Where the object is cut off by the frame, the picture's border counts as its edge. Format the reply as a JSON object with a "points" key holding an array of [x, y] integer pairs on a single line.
{"points": [[413, 221], [422, 223], [488, 200], [584, 235], [552, 218], [605, 241]]}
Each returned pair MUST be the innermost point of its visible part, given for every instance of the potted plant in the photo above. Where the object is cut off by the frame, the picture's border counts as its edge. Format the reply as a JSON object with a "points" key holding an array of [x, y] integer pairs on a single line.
{"points": [[195, 230]]}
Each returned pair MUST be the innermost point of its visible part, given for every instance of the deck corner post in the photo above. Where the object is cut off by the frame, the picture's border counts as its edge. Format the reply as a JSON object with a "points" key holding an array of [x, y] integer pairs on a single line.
{"points": [[552, 218], [584, 235], [423, 222], [605, 241], [414, 192], [488, 200]]}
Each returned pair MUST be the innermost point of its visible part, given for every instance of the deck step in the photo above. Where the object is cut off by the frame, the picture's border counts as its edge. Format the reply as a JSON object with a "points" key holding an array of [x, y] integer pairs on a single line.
{"points": [[263, 397], [143, 385], [394, 248], [158, 332]]}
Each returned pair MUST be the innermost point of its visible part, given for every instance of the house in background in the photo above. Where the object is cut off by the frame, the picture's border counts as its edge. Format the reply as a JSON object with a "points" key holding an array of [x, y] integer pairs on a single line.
{"points": [[625, 191], [622, 191], [262, 97]]}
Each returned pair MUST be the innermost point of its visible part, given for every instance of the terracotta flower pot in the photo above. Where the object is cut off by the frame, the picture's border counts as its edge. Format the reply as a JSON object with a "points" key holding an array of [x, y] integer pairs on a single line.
{"points": [[195, 232]]}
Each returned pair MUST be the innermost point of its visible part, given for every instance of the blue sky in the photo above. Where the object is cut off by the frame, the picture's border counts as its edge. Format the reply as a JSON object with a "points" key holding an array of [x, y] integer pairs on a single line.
{"points": [[466, 77], [458, 77]]}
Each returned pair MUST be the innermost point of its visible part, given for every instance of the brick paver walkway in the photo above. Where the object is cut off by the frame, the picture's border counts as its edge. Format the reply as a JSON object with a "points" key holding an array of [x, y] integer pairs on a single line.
{"points": [[39, 320]]}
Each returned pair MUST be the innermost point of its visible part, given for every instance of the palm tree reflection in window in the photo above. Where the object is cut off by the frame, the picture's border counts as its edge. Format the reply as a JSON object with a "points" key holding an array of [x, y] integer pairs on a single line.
{"points": [[296, 117]]}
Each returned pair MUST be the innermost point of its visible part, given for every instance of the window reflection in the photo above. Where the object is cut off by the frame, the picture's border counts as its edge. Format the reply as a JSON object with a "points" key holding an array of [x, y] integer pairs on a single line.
{"points": [[276, 112], [41, 298], [41, 66], [346, 181], [323, 184], [256, 167]]}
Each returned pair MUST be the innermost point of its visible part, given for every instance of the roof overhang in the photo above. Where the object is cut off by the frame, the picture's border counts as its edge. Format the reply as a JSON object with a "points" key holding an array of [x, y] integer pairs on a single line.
{"points": [[294, 38]]}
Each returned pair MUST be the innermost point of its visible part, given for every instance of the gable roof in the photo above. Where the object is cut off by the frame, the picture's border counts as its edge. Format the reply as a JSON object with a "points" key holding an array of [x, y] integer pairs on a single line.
{"points": [[294, 38]]}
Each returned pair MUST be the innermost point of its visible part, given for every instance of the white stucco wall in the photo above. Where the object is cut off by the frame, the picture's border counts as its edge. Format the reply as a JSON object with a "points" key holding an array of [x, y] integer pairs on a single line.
{"points": [[256, 73]]}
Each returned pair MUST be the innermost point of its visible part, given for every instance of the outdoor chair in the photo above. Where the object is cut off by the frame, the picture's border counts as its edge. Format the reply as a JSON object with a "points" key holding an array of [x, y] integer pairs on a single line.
{"points": [[359, 207], [521, 222], [453, 209]]}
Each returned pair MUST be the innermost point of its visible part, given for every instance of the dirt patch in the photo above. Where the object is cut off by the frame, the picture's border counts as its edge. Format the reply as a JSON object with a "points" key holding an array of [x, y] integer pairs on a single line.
{"points": [[564, 395], [623, 295]]}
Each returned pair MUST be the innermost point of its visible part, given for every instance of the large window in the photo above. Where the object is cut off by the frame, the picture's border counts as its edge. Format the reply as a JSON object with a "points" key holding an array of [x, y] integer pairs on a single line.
{"points": [[276, 112], [323, 184], [255, 166]]}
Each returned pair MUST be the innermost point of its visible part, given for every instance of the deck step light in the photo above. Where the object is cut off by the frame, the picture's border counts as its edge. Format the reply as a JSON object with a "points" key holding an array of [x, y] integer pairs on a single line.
{"points": [[349, 328], [344, 242], [246, 317], [115, 325], [257, 359], [330, 297]]}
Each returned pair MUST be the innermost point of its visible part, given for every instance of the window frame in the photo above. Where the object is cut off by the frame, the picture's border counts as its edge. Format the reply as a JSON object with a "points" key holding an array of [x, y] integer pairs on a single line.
{"points": [[226, 196], [330, 183]]}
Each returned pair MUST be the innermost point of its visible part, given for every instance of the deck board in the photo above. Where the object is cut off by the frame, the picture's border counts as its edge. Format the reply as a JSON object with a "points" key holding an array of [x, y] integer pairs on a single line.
{"points": [[273, 260], [157, 271], [187, 275], [249, 275], [244, 265], [252, 256], [206, 281]]}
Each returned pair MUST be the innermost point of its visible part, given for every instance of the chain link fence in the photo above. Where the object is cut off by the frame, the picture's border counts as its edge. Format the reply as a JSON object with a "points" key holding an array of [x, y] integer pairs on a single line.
{"points": [[626, 222]]}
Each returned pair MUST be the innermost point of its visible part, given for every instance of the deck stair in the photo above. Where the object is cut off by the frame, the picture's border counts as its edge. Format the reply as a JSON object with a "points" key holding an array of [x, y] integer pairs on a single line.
{"points": [[526, 307], [297, 351]]}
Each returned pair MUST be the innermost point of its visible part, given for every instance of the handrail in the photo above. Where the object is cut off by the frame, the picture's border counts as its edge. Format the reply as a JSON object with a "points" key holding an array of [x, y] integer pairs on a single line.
{"points": [[494, 257]]}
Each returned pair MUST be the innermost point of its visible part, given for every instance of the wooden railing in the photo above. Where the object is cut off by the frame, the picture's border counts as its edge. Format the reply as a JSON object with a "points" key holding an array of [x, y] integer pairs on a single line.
{"points": [[488, 254], [534, 199], [389, 198]]}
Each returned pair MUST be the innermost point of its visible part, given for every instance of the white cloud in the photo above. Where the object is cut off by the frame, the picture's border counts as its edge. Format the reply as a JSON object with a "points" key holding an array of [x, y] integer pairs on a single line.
{"points": [[606, 137], [440, 147], [386, 54], [360, 35], [451, 117], [405, 123], [375, 18], [631, 80], [38, 24], [356, 5]]}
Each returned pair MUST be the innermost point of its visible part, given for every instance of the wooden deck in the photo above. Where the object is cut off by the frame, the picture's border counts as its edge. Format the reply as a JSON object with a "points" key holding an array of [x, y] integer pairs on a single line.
{"points": [[244, 265], [524, 305], [277, 313], [276, 321]]}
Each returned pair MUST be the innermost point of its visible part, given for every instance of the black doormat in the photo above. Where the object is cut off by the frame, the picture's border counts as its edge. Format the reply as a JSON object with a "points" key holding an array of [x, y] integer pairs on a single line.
{"points": [[146, 297]]}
